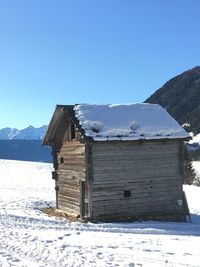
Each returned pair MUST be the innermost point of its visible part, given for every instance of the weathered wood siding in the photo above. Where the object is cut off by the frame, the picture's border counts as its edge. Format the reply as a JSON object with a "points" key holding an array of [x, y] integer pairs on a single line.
{"points": [[132, 179], [71, 171]]}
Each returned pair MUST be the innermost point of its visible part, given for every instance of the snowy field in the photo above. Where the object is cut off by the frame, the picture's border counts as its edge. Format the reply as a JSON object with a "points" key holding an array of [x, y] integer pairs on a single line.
{"points": [[31, 238]]}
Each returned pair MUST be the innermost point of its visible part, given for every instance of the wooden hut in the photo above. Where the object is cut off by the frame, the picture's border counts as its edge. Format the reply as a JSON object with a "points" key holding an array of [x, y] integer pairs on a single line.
{"points": [[117, 161]]}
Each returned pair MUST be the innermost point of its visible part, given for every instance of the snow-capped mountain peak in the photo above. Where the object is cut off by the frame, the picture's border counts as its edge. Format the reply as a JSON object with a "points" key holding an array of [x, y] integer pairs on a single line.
{"points": [[29, 133]]}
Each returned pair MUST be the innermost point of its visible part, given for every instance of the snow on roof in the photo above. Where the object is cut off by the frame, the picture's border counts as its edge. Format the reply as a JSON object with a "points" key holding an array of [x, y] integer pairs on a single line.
{"points": [[128, 122]]}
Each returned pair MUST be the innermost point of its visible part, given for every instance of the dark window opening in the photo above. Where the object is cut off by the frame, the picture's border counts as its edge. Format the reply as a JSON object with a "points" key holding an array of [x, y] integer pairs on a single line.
{"points": [[73, 135], [127, 193], [61, 160]]}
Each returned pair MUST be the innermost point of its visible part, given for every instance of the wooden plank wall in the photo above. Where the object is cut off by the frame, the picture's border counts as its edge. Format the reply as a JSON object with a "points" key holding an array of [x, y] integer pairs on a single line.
{"points": [[148, 172], [71, 169]]}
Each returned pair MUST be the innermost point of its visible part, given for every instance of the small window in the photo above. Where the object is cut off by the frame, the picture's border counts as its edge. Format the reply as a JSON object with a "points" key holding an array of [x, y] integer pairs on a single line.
{"points": [[61, 160], [127, 193]]}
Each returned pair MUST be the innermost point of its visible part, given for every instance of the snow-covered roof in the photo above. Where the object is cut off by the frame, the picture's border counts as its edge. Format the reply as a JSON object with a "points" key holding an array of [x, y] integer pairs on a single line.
{"points": [[128, 122]]}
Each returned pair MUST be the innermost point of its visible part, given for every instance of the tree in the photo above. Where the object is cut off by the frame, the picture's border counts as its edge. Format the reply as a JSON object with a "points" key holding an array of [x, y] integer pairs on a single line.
{"points": [[189, 172]]}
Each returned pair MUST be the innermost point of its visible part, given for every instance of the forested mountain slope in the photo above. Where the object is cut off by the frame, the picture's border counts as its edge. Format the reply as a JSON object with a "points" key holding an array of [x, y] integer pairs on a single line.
{"points": [[181, 97]]}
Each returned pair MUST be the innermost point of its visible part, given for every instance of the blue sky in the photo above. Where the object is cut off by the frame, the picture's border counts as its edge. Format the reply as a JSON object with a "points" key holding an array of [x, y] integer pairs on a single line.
{"points": [[90, 51]]}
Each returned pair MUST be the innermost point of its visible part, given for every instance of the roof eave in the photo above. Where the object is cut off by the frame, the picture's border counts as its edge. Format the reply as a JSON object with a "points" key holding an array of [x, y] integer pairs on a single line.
{"points": [[52, 127], [184, 139], [60, 111]]}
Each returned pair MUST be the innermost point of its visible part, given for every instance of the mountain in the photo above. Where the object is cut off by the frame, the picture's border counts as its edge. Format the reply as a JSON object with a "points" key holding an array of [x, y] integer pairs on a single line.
{"points": [[29, 133], [180, 96], [25, 144], [8, 133]]}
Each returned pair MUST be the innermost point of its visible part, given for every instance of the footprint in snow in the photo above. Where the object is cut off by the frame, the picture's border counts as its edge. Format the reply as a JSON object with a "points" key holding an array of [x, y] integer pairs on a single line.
{"points": [[67, 234], [131, 248], [169, 253], [15, 260], [49, 241], [187, 254], [147, 250], [99, 254], [113, 247]]}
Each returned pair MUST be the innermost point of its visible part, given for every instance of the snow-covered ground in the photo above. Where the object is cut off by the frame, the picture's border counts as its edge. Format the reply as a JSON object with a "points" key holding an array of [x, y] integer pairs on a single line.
{"points": [[31, 238], [196, 165], [195, 139]]}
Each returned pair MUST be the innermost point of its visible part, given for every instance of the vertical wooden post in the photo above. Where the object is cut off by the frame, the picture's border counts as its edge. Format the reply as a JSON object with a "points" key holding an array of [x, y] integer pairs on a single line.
{"points": [[89, 177]]}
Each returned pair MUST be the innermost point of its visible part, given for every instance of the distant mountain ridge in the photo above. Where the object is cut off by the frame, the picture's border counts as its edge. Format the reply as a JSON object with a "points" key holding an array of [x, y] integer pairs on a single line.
{"points": [[180, 96], [29, 133], [25, 144]]}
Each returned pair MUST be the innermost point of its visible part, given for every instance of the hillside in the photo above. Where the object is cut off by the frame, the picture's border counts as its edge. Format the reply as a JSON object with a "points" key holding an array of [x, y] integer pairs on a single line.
{"points": [[181, 97]]}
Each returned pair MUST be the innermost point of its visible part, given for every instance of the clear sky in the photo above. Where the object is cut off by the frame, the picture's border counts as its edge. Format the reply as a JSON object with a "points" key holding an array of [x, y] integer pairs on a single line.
{"points": [[90, 51]]}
